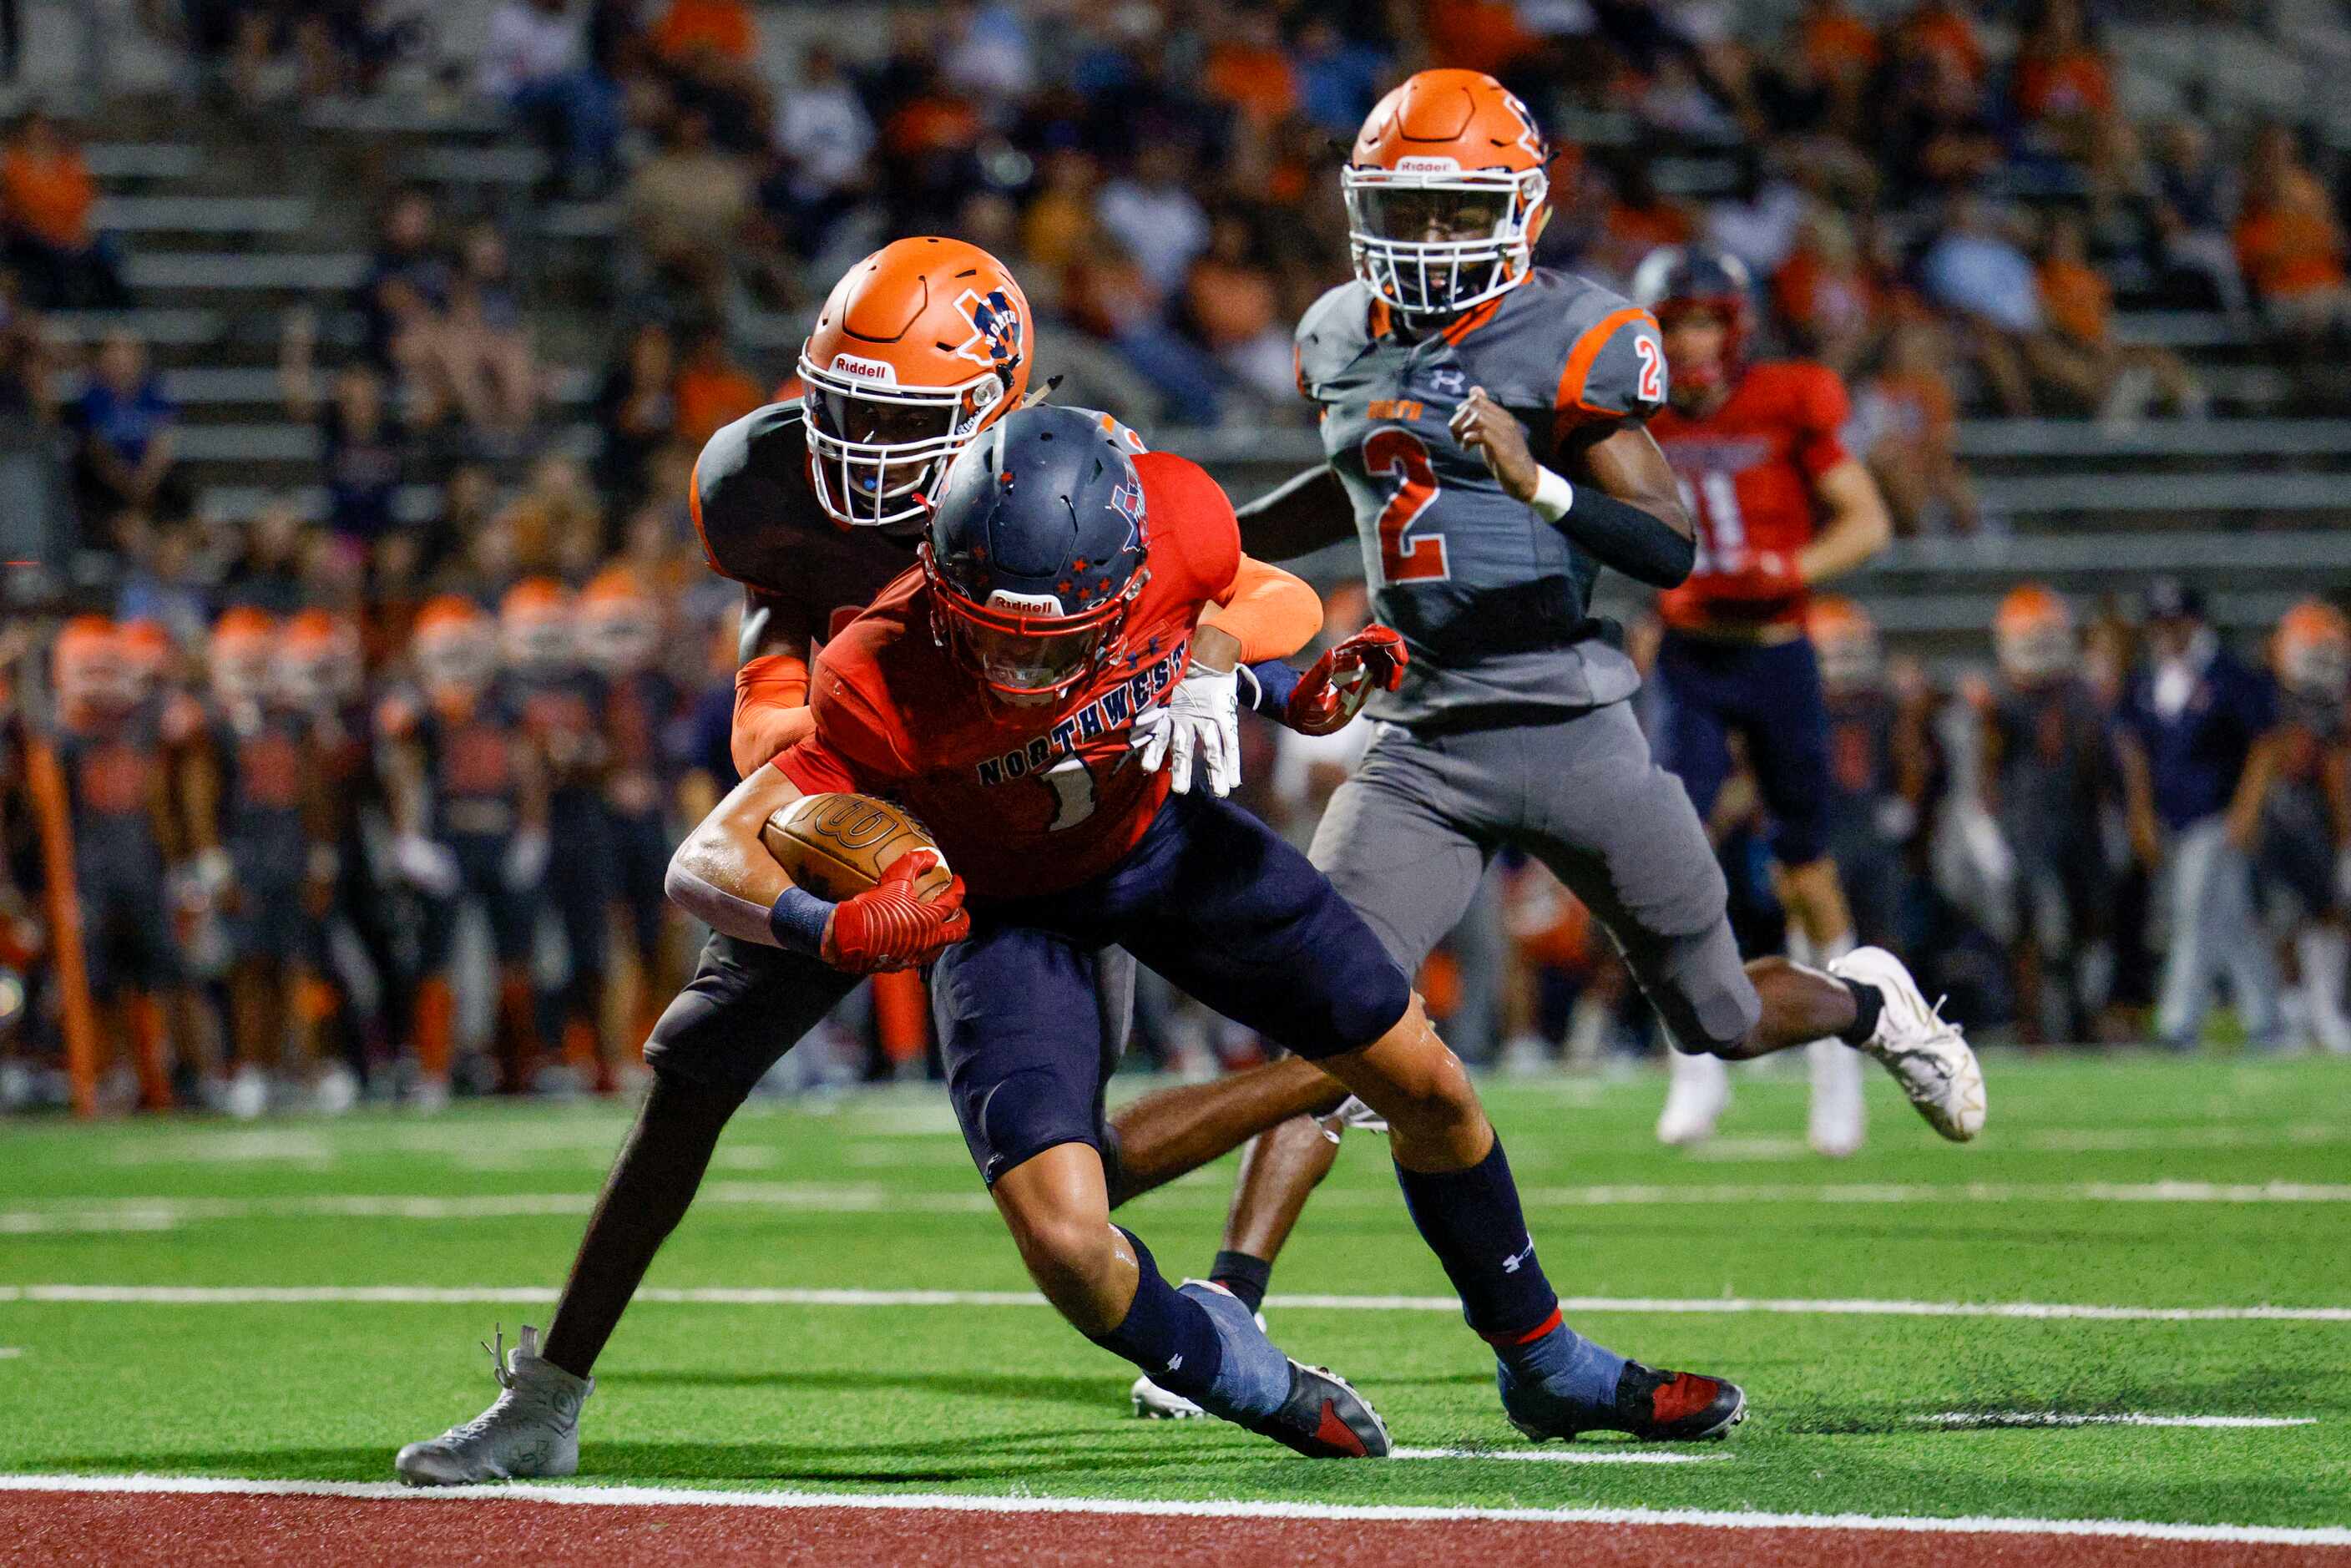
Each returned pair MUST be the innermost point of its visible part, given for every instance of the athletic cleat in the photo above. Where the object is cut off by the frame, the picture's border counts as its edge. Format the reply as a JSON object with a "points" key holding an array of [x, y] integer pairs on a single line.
{"points": [[1354, 1113], [531, 1429], [1323, 1419], [1699, 1089], [1651, 1405], [1152, 1402], [1924, 1050]]}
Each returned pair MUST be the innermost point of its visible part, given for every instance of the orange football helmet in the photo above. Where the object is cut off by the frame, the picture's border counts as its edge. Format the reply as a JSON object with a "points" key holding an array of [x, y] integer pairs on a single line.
{"points": [[921, 346], [1846, 638], [318, 661], [535, 625], [454, 645], [87, 666], [2313, 650], [148, 650], [620, 624], [238, 654], [1447, 193], [2032, 634]]}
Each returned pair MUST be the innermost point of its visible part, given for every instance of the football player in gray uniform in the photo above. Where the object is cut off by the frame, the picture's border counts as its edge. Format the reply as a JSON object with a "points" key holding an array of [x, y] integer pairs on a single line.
{"points": [[1484, 424]]}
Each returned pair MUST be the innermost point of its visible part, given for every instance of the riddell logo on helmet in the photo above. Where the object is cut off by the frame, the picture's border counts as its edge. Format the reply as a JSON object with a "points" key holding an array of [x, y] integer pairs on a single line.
{"points": [[1421, 165], [1032, 603], [865, 370]]}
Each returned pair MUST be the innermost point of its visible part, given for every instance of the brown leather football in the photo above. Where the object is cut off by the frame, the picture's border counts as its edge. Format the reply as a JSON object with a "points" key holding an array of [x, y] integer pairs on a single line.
{"points": [[838, 846]]}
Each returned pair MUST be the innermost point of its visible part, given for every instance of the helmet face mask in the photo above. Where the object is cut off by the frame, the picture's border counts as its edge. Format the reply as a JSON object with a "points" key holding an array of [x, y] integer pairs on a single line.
{"points": [[621, 639], [1439, 240], [875, 448], [2314, 653], [1020, 645], [459, 658], [1686, 288]]}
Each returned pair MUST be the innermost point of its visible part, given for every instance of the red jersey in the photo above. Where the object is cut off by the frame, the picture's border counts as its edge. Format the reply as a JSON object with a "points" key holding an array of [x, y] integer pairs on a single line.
{"points": [[1022, 801], [1748, 475]]}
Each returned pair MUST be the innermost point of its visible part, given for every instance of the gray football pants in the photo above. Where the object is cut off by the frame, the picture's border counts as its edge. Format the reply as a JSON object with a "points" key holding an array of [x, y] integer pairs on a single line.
{"points": [[1408, 837]]}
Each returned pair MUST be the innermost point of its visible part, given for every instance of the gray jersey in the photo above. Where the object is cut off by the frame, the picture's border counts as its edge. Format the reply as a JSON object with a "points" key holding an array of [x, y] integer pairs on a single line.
{"points": [[1490, 598]]}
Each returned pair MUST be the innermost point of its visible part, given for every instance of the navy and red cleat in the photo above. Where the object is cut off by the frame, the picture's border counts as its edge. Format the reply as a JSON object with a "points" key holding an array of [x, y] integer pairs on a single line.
{"points": [[1323, 1419], [1652, 1405]]}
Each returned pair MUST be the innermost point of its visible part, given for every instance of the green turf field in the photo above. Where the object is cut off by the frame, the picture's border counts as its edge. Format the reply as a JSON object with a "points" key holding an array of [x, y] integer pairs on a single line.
{"points": [[2131, 1182]]}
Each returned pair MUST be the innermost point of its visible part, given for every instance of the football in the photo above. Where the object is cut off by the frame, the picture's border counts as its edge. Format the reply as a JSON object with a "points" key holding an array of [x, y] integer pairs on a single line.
{"points": [[838, 846]]}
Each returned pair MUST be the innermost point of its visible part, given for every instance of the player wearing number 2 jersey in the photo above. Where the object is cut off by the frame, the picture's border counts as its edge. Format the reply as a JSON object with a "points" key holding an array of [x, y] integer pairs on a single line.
{"points": [[1780, 506], [1484, 422]]}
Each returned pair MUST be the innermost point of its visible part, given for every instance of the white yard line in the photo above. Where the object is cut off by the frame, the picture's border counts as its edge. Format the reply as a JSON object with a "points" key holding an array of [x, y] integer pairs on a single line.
{"points": [[787, 1296], [678, 1497], [787, 1198], [2000, 1418], [11, 1352]]}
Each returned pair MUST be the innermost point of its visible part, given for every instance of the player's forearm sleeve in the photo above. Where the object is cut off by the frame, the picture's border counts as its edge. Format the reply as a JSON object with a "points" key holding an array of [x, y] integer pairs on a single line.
{"points": [[771, 711], [1272, 612], [1639, 543]]}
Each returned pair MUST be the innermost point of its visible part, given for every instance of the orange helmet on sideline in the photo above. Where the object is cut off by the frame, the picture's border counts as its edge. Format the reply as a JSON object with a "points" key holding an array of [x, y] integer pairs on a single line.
{"points": [[620, 624], [318, 660], [1446, 193], [454, 647], [2033, 636], [87, 666], [239, 652], [148, 650], [919, 347], [2313, 650], [535, 634], [1845, 640]]}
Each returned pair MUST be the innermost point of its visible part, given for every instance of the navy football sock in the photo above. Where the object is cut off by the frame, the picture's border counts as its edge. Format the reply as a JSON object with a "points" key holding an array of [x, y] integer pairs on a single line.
{"points": [[1472, 1221], [1168, 1335], [1244, 1275]]}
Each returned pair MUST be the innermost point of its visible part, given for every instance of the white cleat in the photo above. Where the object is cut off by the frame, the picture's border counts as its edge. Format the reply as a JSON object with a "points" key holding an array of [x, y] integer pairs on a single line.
{"points": [[1698, 1093], [1152, 1402], [1354, 1113], [1924, 1050], [248, 1095], [336, 1090], [531, 1429], [428, 1096], [1836, 1127]]}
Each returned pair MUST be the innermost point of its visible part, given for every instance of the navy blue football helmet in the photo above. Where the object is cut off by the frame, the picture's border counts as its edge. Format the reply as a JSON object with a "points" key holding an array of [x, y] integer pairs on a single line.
{"points": [[1680, 280], [1035, 549]]}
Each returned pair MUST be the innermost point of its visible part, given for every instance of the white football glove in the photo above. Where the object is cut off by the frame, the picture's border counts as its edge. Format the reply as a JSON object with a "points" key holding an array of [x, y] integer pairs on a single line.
{"points": [[429, 866], [1202, 717], [526, 860]]}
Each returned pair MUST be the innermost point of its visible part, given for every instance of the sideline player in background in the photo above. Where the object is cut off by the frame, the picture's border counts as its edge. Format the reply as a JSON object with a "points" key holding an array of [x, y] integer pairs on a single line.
{"points": [[814, 505], [1441, 373], [1779, 506], [1074, 606], [2295, 810]]}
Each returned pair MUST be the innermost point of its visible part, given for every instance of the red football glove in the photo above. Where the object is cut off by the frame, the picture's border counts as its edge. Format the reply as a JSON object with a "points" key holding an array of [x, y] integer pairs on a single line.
{"points": [[1343, 680], [889, 926]]}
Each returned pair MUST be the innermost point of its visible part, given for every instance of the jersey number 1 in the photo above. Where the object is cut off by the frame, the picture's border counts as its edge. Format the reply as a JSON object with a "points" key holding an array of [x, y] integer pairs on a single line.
{"points": [[1394, 454]]}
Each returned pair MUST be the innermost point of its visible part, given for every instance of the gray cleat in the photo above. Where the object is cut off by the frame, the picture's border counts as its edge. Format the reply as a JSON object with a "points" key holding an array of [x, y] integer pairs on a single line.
{"points": [[532, 1428]]}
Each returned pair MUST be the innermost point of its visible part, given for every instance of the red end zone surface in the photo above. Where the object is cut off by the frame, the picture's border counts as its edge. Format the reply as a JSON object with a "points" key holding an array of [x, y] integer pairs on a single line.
{"points": [[112, 1527]]}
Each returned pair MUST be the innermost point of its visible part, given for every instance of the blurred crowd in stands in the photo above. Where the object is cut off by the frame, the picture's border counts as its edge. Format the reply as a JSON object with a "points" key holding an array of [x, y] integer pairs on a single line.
{"points": [[1944, 200]]}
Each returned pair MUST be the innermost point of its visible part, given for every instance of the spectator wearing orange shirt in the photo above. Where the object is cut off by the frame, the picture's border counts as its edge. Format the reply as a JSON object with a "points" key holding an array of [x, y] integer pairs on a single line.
{"points": [[2065, 92], [720, 28], [1248, 69], [45, 197], [2080, 354], [1909, 424], [712, 391], [1942, 30], [1825, 294], [2290, 245], [1235, 304]]}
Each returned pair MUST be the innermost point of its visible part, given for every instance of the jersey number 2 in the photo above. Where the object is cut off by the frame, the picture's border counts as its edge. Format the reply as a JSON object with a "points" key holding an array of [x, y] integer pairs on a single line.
{"points": [[1397, 454]]}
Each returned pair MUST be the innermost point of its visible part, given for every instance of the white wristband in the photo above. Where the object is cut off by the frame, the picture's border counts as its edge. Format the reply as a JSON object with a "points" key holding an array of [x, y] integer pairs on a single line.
{"points": [[1553, 496]]}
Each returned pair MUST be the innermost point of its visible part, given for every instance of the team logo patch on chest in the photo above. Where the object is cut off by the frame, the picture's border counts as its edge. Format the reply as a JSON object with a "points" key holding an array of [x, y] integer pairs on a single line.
{"points": [[1111, 711]]}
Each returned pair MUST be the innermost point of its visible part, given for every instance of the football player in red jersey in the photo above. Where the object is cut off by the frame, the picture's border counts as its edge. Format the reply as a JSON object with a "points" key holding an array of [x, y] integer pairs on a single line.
{"points": [[1779, 506], [1483, 422], [810, 506], [1067, 614]]}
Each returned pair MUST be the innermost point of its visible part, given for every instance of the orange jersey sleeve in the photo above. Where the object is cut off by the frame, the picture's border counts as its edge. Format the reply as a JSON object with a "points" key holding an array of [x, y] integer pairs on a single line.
{"points": [[1190, 519], [1274, 613]]}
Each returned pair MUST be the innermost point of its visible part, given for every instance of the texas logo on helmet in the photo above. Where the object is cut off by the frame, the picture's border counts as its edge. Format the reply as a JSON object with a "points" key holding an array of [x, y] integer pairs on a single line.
{"points": [[994, 339]]}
